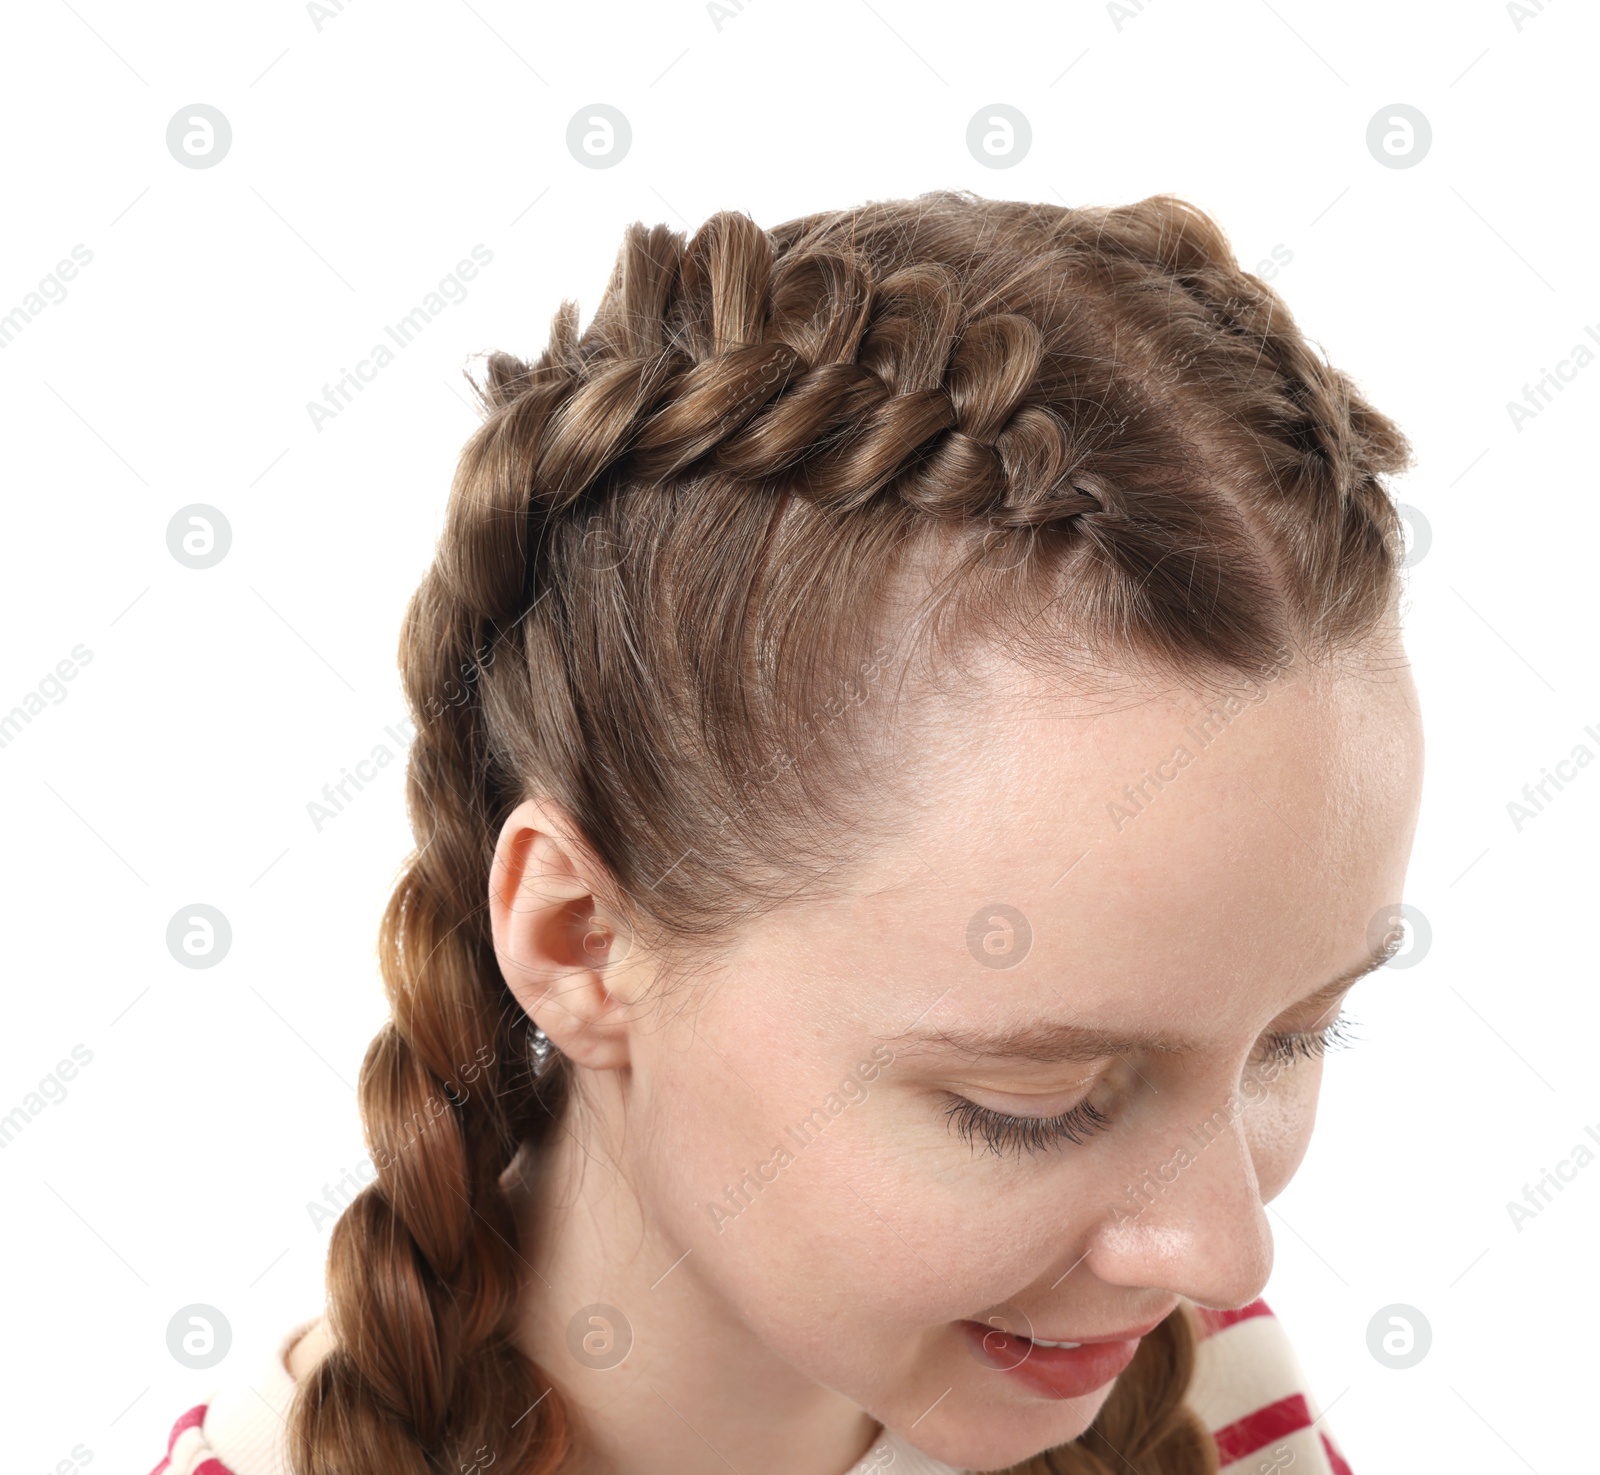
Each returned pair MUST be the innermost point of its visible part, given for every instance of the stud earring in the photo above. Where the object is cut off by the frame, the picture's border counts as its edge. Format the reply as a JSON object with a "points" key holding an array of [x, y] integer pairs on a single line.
{"points": [[543, 1051]]}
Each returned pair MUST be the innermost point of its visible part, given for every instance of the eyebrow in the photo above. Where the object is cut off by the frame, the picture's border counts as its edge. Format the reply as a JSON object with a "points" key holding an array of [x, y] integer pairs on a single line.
{"points": [[1052, 1043]]}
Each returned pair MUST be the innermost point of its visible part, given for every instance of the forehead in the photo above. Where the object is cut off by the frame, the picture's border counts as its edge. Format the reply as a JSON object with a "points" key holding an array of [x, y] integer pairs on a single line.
{"points": [[1152, 853]]}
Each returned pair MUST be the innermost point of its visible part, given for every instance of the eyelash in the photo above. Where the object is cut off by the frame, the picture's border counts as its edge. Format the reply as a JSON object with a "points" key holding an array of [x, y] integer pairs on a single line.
{"points": [[1306, 1044], [1002, 1132]]}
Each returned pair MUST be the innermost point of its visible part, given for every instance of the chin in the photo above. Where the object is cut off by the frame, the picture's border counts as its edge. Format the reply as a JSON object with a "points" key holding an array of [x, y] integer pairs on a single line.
{"points": [[1001, 1435]]}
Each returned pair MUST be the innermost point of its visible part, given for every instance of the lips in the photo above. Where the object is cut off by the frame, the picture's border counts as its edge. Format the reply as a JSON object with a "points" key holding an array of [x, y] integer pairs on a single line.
{"points": [[1131, 1335], [1054, 1372]]}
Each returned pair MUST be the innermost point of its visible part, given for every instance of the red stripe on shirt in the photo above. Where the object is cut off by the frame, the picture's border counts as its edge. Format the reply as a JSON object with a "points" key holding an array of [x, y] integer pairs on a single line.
{"points": [[1212, 1322], [192, 1418], [1335, 1459], [1247, 1435]]}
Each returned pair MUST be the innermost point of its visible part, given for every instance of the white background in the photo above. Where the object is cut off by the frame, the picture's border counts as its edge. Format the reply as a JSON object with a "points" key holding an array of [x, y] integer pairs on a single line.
{"points": [[372, 154]]}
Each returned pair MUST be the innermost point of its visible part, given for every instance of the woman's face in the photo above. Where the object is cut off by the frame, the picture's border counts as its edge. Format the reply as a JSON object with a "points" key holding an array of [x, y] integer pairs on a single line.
{"points": [[1101, 915]]}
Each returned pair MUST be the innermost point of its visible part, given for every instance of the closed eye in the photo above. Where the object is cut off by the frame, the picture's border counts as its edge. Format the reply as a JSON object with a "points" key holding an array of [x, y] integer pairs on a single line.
{"points": [[1002, 1132], [1289, 1046]]}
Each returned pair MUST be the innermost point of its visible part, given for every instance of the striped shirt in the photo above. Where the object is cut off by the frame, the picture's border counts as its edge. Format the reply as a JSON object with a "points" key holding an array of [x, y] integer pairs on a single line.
{"points": [[1248, 1389]]}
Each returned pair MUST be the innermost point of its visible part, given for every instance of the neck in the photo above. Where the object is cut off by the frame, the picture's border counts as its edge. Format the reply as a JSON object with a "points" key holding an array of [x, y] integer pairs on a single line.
{"points": [[663, 1374]]}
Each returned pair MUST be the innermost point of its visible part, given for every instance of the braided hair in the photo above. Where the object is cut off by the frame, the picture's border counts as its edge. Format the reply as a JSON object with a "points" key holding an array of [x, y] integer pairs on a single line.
{"points": [[669, 535]]}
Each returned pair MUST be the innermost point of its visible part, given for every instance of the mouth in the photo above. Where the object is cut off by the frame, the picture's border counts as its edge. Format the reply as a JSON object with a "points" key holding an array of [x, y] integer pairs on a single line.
{"points": [[1054, 1368]]}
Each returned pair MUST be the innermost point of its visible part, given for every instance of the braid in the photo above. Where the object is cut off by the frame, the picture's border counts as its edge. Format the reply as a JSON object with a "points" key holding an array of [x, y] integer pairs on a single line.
{"points": [[424, 1268], [808, 367], [1322, 448], [716, 483]]}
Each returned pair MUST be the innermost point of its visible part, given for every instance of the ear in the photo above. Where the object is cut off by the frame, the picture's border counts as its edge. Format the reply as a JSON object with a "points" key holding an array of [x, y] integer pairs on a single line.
{"points": [[558, 949]]}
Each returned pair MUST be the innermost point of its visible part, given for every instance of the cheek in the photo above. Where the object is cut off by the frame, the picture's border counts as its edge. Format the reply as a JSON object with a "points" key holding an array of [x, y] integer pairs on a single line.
{"points": [[842, 1233], [1278, 1125]]}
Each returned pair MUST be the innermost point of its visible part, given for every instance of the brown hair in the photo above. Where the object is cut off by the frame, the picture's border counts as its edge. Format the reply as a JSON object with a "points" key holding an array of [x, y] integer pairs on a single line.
{"points": [[667, 549]]}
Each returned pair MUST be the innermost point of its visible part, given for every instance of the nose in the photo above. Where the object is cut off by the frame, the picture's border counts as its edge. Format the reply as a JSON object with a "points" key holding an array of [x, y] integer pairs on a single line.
{"points": [[1193, 1221]]}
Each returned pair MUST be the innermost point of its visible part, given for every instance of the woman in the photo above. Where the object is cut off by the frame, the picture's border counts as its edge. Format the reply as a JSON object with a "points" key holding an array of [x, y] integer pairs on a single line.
{"points": [[914, 746]]}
